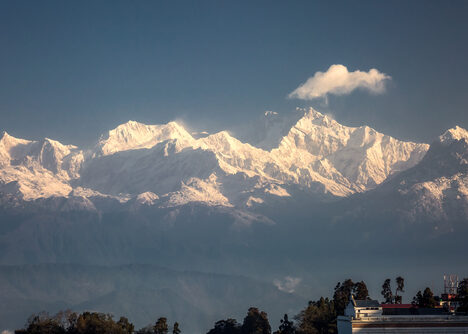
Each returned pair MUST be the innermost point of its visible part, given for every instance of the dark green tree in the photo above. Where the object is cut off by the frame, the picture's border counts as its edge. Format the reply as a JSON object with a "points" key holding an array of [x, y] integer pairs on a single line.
{"points": [[71, 323], [400, 281], [463, 295], [256, 322], [161, 326], [96, 323], [67, 319], [418, 299], [425, 299], [342, 295], [387, 292], [229, 326], [317, 318], [360, 291], [42, 323], [175, 328], [125, 325], [286, 326]]}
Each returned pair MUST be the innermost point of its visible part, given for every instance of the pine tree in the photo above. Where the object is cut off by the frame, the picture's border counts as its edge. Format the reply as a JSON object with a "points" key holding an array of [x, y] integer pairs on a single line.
{"points": [[360, 291], [175, 329], [400, 281], [387, 291], [428, 298], [125, 325], [161, 326], [342, 294], [256, 322], [425, 299], [229, 326], [463, 295], [286, 326], [317, 317]]}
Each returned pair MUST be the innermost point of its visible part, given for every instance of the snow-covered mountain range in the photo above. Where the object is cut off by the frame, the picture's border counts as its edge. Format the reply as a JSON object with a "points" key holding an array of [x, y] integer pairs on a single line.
{"points": [[433, 192], [164, 163]]}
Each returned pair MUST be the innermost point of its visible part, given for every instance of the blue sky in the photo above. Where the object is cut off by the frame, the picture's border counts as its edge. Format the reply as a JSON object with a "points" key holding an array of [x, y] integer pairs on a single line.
{"points": [[72, 70]]}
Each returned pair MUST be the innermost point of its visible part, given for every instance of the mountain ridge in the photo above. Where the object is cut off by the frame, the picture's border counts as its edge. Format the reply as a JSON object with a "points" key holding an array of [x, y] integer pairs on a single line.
{"points": [[432, 193], [318, 155]]}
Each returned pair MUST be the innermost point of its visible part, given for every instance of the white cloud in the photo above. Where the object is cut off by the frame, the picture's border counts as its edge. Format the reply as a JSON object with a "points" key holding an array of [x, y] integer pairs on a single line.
{"points": [[7, 332], [288, 284], [339, 81]]}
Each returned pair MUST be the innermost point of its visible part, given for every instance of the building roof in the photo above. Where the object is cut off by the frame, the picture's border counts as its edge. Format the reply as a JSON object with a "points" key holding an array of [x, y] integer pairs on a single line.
{"points": [[399, 306], [414, 311], [366, 303]]}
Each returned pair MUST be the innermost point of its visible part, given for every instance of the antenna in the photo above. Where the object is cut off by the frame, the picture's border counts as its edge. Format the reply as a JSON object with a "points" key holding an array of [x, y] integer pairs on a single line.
{"points": [[450, 284]]}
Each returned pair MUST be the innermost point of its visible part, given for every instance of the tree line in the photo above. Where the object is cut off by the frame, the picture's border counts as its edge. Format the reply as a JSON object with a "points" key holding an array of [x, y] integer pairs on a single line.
{"points": [[68, 322], [318, 317]]}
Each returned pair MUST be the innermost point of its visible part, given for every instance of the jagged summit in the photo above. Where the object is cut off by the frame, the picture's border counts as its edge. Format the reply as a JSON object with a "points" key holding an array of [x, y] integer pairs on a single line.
{"points": [[134, 135], [7, 140], [357, 158], [147, 198], [317, 118], [5, 135], [34, 169], [221, 141], [456, 133]]}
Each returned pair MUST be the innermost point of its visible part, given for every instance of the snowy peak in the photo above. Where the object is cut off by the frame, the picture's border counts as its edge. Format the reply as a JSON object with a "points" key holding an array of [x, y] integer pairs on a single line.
{"points": [[133, 135], [147, 198], [18, 148], [358, 158], [321, 135], [454, 134], [314, 118], [436, 189], [8, 140], [221, 142], [12, 148], [318, 134], [34, 169], [47, 153], [446, 157]]}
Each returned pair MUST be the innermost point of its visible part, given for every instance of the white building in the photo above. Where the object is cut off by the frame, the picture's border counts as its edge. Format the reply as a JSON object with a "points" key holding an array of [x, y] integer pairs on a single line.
{"points": [[367, 316], [363, 308]]}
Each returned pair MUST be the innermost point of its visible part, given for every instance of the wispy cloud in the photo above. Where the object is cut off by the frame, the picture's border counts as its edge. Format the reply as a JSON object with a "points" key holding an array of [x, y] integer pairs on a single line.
{"points": [[270, 113], [339, 81], [288, 284]]}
